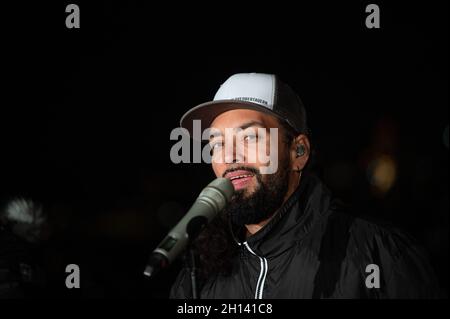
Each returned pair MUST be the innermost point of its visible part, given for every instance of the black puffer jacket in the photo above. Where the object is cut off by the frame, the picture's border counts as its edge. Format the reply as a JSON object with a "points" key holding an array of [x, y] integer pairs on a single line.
{"points": [[312, 249]]}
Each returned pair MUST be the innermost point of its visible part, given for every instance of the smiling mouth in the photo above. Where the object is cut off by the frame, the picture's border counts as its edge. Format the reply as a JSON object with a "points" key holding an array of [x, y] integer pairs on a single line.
{"points": [[240, 176], [240, 179], [241, 182]]}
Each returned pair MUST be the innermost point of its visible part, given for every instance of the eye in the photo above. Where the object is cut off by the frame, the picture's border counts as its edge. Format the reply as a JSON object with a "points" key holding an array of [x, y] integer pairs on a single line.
{"points": [[251, 138], [216, 146]]}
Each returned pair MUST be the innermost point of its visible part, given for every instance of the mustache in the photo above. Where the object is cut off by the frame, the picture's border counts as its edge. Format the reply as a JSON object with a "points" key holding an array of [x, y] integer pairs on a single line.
{"points": [[255, 171]]}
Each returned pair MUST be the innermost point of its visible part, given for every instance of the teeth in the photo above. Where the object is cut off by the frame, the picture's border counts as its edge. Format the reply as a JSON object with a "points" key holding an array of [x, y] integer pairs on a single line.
{"points": [[240, 176]]}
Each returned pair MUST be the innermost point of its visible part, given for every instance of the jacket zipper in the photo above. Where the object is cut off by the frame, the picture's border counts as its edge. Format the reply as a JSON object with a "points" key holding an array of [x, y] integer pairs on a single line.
{"points": [[262, 274]]}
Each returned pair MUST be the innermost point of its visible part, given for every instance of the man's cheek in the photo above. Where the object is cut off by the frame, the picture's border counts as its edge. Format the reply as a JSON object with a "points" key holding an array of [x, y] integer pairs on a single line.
{"points": [[252, 187], [218, 171], [270, 160]]}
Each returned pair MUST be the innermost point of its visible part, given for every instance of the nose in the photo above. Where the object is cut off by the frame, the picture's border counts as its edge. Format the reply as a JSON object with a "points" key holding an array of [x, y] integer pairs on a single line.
{"points": [[233, 154]]}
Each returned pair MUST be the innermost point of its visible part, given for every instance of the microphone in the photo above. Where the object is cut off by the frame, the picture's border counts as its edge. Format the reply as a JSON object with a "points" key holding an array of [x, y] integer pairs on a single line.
{"points": [[212, 199]]}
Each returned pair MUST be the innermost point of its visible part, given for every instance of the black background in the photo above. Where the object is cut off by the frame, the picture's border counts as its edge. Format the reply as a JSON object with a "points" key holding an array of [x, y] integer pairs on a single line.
{"points": [[86, 116]]}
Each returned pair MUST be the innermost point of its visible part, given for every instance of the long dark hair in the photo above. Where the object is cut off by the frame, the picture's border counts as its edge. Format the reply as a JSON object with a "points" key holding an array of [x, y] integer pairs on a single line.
{"points": [[216, 248]]}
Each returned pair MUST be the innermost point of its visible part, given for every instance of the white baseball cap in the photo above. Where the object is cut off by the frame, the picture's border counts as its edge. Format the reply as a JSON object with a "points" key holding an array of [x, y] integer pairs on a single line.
{"points": [[254, 91]]}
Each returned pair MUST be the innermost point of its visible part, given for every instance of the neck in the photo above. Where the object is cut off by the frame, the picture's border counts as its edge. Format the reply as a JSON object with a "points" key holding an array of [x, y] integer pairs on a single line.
{"points": [[254, 228]]}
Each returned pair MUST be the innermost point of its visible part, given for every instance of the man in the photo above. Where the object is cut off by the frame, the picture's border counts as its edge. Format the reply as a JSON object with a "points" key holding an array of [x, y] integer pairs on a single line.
{"points": [[283, 235]]}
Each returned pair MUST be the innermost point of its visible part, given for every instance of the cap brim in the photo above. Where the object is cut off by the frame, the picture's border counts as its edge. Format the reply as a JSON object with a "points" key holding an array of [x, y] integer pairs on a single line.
{"points": [[207, 112]]}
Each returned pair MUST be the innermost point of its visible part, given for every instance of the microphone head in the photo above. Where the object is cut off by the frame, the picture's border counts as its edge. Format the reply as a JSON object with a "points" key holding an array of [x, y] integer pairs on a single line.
{"points": [[218, 193], [224, 185]]}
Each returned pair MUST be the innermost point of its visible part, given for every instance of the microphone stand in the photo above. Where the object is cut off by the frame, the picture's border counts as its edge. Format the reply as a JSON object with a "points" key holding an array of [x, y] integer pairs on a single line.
{"points": [[193, 228], [192, 268]]}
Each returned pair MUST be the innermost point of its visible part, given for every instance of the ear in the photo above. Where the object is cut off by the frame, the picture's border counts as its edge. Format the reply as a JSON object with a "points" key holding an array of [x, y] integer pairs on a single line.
{"points": [[298, 162]]}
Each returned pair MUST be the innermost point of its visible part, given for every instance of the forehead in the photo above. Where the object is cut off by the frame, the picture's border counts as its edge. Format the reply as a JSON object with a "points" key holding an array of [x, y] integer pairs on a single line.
{"points": [[241, 117]]}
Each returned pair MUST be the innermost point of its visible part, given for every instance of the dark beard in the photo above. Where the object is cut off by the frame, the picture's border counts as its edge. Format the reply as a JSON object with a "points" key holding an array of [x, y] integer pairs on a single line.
{"points": [[268, 196]]}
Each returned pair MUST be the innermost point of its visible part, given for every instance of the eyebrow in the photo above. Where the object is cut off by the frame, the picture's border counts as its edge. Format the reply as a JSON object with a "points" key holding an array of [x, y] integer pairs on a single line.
{"points": [[251, 123], [243, 127]]}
